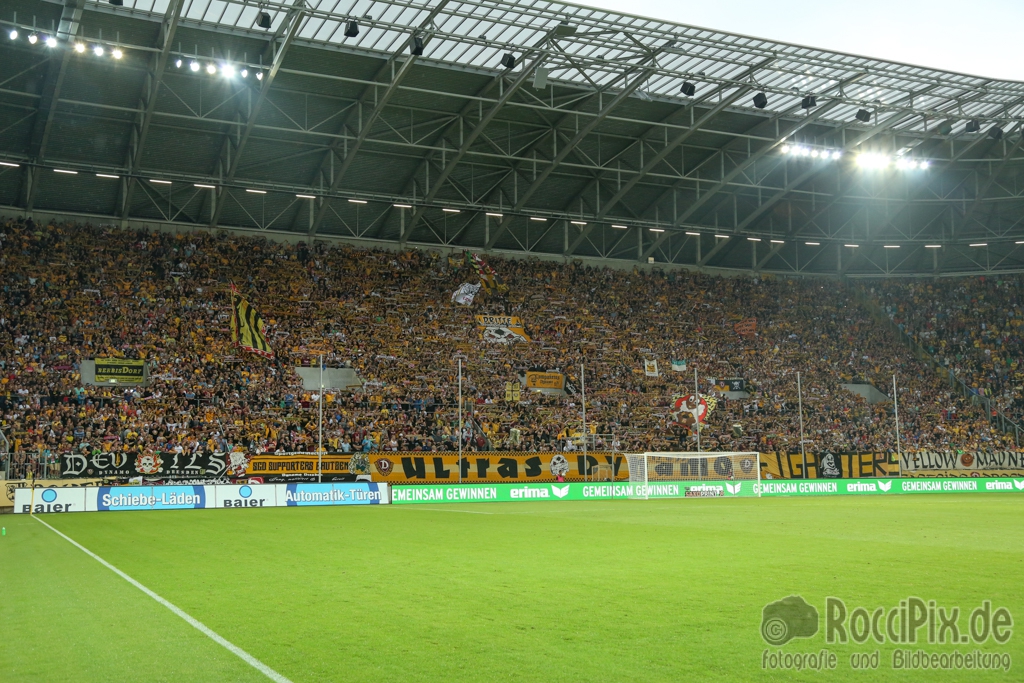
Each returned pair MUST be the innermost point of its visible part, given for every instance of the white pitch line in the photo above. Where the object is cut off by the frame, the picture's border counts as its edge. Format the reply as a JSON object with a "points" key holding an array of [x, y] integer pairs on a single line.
{"points": [[430, 509], [198, 625]]}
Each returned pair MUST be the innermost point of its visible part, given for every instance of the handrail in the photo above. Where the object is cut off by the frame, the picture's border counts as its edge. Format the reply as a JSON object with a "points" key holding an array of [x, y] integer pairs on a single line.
{"points": [[998, 416]]}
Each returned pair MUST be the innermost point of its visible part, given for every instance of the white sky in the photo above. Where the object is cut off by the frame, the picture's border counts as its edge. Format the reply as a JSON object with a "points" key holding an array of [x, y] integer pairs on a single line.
{"points": [[978, 37]]}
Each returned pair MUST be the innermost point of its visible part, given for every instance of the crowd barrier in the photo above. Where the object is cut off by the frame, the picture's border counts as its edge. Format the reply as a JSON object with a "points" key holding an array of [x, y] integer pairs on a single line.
{"points": [[115, 498], [508, 467]]}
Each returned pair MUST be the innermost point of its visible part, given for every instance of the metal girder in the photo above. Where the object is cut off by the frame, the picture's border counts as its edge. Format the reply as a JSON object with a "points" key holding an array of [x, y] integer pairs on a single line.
{"points": [[746, 163], [332, 149], [478, 129], [721, 243], [993, 176], [295, 16], [776, 248], [147, 102], [630, 86], [672, 145], [353, 150], [70, 21]]}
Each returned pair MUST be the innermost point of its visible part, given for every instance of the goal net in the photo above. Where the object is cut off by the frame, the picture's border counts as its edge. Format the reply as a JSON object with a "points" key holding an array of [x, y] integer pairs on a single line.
{"points": [[702, 474]]}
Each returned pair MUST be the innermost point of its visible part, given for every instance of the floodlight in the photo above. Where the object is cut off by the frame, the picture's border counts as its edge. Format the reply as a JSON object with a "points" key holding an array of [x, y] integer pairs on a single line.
{"points": [[863, 115], [33, 39], [995, 132], [688, 88], [809, 102], [245, 73], [227, 71], [177, 63], [194, 65], [116, 3], [13, 35], [508, 60], [79, 47], [97, 50], [263, 20], [259, 75], [117, 54], [973, 126], [417, 46], [211, 69], [351, 29], [760, 100], [51, 41], [564, 29]]}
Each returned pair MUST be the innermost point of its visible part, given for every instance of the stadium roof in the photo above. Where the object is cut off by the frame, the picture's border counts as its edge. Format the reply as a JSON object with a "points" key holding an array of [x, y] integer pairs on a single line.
{"points": [[593, 144]]}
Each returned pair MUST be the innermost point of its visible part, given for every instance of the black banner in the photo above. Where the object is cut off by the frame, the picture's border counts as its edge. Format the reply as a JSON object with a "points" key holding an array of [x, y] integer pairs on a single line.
{"points": [[149, 465]]}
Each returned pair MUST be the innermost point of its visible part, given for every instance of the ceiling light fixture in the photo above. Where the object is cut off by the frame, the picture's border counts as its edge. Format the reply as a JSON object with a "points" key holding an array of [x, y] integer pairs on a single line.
{"points": [[656, 229], [256, 191], [9, 164], [160, 182], [309, 196], [61, 170], [451, 210], [980, 244], [357, 201], [205, 186], [494, 215], [777, 242], [754, 239], [538, 218], [722, 237], [108, 175], [933, 246], [693, 234], [813, 244], [578, 222], [620, 227]]}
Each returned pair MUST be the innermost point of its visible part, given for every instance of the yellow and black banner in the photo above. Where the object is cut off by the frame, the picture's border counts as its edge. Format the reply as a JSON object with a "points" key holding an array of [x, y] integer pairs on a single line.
{"points": [[120, 370], [511, 467], [829, 465], [545, 380], [502, 329], [248, 331], [306, 467]]}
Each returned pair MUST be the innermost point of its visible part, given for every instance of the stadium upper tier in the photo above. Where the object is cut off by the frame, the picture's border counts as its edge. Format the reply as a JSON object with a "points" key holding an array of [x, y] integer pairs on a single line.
{"points": [[74, 292], [531, 127]]}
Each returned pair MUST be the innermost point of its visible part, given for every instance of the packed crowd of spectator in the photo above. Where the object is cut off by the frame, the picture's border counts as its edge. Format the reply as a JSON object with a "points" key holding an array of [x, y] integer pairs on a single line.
{"points": [[72, 292], [971, 326]]}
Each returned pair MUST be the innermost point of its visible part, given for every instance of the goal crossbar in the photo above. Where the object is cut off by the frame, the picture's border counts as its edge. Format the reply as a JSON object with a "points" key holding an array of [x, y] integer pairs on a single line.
{"points": [[695, 468]]}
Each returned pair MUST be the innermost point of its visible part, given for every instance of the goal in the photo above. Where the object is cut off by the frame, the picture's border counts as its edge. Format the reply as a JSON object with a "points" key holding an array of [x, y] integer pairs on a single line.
{"points": [[704, 474]]}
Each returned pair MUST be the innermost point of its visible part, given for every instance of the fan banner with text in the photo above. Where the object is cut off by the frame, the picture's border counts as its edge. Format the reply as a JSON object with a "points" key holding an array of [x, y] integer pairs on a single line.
{"points": [[411, 468], [827, 465]]}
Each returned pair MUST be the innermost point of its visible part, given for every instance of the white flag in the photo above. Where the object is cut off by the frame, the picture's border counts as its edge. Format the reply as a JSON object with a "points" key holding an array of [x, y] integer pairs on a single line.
{"points": [[465, 293]]}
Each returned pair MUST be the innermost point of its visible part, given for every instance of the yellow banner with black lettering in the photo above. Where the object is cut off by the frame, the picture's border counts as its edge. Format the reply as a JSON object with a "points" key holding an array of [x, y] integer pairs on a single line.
{"points": [[829, 465], [545, 380], [122, 370], [422, 468]]}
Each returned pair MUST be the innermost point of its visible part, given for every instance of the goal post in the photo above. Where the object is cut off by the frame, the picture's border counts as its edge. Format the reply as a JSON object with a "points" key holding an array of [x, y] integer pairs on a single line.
{"points": [[704, 473]]}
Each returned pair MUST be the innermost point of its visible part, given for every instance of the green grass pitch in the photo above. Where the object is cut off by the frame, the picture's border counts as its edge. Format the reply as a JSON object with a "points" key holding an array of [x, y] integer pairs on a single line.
{"points": [[667, 590]]}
